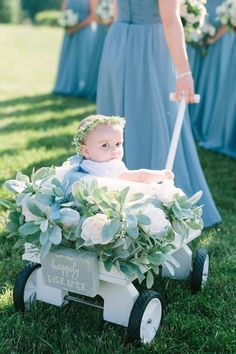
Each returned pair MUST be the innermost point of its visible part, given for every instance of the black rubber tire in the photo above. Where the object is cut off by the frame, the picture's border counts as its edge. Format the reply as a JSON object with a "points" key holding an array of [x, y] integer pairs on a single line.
{"points": [[20, 283], [133, 330], [197, 272]]}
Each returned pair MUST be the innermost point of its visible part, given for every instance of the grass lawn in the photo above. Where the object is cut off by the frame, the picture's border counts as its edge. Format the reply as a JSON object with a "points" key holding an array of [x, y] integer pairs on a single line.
{"points": [[36, 130]]}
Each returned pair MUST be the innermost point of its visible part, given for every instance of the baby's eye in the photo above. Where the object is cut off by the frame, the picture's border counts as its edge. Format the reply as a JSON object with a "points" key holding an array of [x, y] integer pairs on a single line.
{"points": [[105, 146], [118, 144]]}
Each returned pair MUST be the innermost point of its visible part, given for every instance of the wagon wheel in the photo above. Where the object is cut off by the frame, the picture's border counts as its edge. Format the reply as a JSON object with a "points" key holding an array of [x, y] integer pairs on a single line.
{"points": [[200, 270], [145, 317], [25, 287]]}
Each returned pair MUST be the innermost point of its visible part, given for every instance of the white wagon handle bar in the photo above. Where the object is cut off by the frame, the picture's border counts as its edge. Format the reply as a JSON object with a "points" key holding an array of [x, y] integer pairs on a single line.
{"points": [[177, 129]]}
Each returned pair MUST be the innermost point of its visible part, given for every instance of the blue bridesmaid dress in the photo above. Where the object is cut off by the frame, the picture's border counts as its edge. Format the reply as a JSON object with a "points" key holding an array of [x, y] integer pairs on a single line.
{"points": [[135, 78], [98, 42], [80, 56], [215, 80]]}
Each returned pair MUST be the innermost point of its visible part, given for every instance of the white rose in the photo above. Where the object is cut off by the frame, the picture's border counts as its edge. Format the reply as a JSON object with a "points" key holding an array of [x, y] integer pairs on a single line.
{"points": [[166, 192], [158, 220], [92, 229]]}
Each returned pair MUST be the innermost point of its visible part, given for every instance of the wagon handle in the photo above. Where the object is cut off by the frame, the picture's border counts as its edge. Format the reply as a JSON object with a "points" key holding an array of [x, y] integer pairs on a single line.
{"points": [[177, 128]]}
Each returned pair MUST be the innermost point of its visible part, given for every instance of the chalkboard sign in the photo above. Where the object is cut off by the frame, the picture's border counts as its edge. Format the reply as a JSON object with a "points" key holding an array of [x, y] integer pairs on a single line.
{"points": [[73, 271]]}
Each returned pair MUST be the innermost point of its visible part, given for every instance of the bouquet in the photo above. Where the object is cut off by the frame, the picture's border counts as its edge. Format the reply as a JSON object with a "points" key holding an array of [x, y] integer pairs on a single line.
{"points": [[105, 10], [226, 13], [68, 18], [133, 232], [193, 14]]}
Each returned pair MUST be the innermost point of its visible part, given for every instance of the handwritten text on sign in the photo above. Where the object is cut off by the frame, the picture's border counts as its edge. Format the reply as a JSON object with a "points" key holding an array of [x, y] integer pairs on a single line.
{"points": [[68, 270]]}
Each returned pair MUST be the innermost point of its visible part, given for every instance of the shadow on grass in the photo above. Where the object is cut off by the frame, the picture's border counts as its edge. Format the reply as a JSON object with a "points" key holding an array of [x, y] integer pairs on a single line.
{"points": [[57, 161], [40, 104], [53, 141]]}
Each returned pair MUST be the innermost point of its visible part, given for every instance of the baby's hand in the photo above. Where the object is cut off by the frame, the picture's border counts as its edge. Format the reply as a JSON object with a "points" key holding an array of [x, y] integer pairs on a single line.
{"points": [[168, 174]]}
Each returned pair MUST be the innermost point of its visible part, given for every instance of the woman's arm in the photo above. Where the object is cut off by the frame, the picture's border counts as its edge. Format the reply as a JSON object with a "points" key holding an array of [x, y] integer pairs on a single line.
{"points": [[87, 21], [63, 5], [174, 33], [220, 32]]}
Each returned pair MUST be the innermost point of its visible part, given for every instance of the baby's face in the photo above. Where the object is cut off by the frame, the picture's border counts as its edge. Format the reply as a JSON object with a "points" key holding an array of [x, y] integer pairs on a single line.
{"points": [[104, 143]]}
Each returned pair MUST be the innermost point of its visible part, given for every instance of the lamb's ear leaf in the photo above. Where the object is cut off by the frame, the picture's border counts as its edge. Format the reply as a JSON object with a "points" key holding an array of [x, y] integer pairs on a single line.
{"points": [[110, 229], [149, 279]]}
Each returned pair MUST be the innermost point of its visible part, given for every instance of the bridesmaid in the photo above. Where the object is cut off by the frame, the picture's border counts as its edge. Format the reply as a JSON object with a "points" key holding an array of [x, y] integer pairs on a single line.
{"points": [[80, 53], [213, 120], [135, 79]]}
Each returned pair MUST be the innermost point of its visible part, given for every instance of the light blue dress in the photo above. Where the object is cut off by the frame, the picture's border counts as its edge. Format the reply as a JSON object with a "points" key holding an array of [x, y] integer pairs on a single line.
{"points": [[80, 56], [135, 78], [213, 120]]}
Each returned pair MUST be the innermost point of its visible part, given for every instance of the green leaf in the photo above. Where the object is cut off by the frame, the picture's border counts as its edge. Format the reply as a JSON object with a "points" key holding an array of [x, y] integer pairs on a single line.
{"points": [[79, 243], [149, 279], [58, 191], [15, 186], [193, 225], [7, 204], [126, 269], [132, 232], [136, 196], [22, 178], [14, 217], [156, 258], [44, 225], [34, 208], [55, 235], [28, 228], [143, 219], [44, 198], [195, 198], [78, 191], [56, 182], [108, 264], [44, 238], [12, 226], [177, 212], [123, 195], [45, 249], [110, 229], [40, 174], [132, 221], [135, 268]]}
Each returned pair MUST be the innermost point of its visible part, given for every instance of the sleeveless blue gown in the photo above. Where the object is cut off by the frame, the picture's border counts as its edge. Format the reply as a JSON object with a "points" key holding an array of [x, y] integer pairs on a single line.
{"points": [[80, 56], [215, 80], [135, 78]]}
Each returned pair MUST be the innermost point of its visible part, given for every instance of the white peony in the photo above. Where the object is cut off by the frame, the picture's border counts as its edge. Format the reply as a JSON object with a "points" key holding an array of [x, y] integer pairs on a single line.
{"points": [[92, 229], [166, 192], [158, 220]]}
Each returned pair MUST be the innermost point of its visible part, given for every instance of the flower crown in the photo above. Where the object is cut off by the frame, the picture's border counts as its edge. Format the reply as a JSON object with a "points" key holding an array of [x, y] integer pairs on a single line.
{"points": [[91, 125]]}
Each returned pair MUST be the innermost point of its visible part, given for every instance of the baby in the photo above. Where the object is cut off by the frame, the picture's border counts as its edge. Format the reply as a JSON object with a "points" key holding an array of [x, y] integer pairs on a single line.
{"points": [[99, 140]]}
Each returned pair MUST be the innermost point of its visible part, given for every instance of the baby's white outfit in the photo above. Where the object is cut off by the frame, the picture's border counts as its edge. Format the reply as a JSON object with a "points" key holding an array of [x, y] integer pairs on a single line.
{"points": [[112, 169]]}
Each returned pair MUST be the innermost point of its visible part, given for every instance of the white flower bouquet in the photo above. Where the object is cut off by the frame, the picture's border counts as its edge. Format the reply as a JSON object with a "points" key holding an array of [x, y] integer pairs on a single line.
{"points": [[193, 14], [226, 13], [131, 231], [68, 18], [105, 10]]}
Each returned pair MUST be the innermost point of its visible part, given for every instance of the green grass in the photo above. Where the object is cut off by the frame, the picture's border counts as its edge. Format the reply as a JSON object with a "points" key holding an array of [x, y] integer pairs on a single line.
{"points": [[36, 129]]}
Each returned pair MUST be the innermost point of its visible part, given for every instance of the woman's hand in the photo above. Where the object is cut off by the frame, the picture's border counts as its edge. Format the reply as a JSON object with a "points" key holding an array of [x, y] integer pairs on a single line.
{"points": [[185, 86], [72, 29]]}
